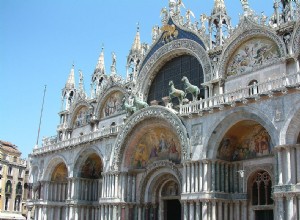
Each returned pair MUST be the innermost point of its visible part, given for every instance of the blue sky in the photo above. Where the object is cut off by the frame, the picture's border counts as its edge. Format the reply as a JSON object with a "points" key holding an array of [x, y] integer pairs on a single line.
{"points": [[40, 40]]}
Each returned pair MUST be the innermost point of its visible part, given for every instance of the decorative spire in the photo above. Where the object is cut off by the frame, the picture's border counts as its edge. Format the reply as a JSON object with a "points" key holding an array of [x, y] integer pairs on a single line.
{"points": [[100, 67], [81, 83], [70, 84], [136, 46], [219, 7], [219, 24]]}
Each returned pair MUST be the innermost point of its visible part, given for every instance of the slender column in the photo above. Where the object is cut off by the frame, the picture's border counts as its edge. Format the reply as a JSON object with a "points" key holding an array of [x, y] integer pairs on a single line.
{"points": [[40, 213], [188, 176], [280, 166], [76, 214], [113, 186], [237, 210], [196, 177], [29, 213], [193, 177], [205, 177], [244, 210], [133, 188], [231, 216], [293, 169], [298, 164], [129, 185], [81, 213], [288, 166], [209, 176], [235, 178], [185, 211], [104, 186], [226, 178], [36, 217], [213, 210], [71, 214], [298, 207], [226, 210], [192, 211], [218, 178], [140, 213], [213, 176], [290, 207], [117, 186], [45, 213], [222, 174], [204, 210], [200, 176], [102, 212], [114, 217], [184, 178], [197, 215], [220, 210]]}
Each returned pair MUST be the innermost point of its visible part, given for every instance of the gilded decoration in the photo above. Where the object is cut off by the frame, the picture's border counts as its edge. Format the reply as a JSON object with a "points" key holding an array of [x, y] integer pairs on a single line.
{"points": [[245, 140], [60, 173], [156, 143], [251, 54], [113, 105], [82, 118], [92, 167]]}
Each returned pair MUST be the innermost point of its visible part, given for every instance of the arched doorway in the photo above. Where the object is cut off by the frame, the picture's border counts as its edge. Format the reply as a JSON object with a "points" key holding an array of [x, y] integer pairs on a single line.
{"points": [[170, 201], [259, 192]]}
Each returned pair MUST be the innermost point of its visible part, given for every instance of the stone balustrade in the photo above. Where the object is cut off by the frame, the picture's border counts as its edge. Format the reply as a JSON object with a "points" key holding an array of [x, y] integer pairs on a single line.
{"points": [[281, 84], [113, 130]]}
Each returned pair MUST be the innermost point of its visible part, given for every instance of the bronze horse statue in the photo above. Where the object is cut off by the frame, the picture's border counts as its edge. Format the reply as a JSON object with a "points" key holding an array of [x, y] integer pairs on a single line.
{"points": [[189, 88], [173, 92]]}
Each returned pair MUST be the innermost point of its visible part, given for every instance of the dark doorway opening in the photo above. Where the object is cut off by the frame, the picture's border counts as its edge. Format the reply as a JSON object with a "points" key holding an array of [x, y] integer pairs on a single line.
{"points": [[264, 215], [173, 209]]}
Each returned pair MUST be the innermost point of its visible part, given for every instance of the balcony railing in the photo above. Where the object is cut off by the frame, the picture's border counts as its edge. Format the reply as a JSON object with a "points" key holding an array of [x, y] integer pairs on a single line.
{"points": [[113, 130], [281, 84]]}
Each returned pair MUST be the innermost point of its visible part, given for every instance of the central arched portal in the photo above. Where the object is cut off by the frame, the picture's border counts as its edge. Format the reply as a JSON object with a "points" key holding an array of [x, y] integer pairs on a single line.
{"points": [[170, 201]]}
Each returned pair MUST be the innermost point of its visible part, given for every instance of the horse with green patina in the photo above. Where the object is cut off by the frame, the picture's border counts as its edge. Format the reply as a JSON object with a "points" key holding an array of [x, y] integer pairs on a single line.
{"points": [[189, 88]]}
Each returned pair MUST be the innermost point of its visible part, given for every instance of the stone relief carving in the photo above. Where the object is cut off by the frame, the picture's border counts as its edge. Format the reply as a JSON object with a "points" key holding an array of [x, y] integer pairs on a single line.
{"points": [[243, 34], [196, 136]]}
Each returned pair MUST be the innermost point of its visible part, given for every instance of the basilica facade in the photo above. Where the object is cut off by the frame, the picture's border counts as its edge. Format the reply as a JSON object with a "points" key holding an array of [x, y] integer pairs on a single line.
{"points": [[205, 125]]}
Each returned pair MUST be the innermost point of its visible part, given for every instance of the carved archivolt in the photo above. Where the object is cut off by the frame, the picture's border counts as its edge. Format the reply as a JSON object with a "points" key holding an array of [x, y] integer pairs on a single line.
{"points": [[49, 168], [167, 52], [156, 112], [153, 169], [296, 40], [243, 35]]}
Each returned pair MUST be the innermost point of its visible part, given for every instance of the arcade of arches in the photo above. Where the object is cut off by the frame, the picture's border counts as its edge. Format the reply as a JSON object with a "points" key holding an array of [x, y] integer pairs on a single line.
{"points": [[205, 126]]}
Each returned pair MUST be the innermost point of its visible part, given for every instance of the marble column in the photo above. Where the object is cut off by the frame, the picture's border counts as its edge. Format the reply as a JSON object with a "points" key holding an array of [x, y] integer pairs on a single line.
{"points": [[188, 177], [205, 210], [196, 177], [192, 212], [226, 210], [293, 165], [298, 164], [197, 214], [214, 210], [279, 167], [205, 176], [192, 177], [200, 176], [220, 210], [184, 178], [290, 207], [288, 166], [237, 210], [185, 211], [226, 178]]}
